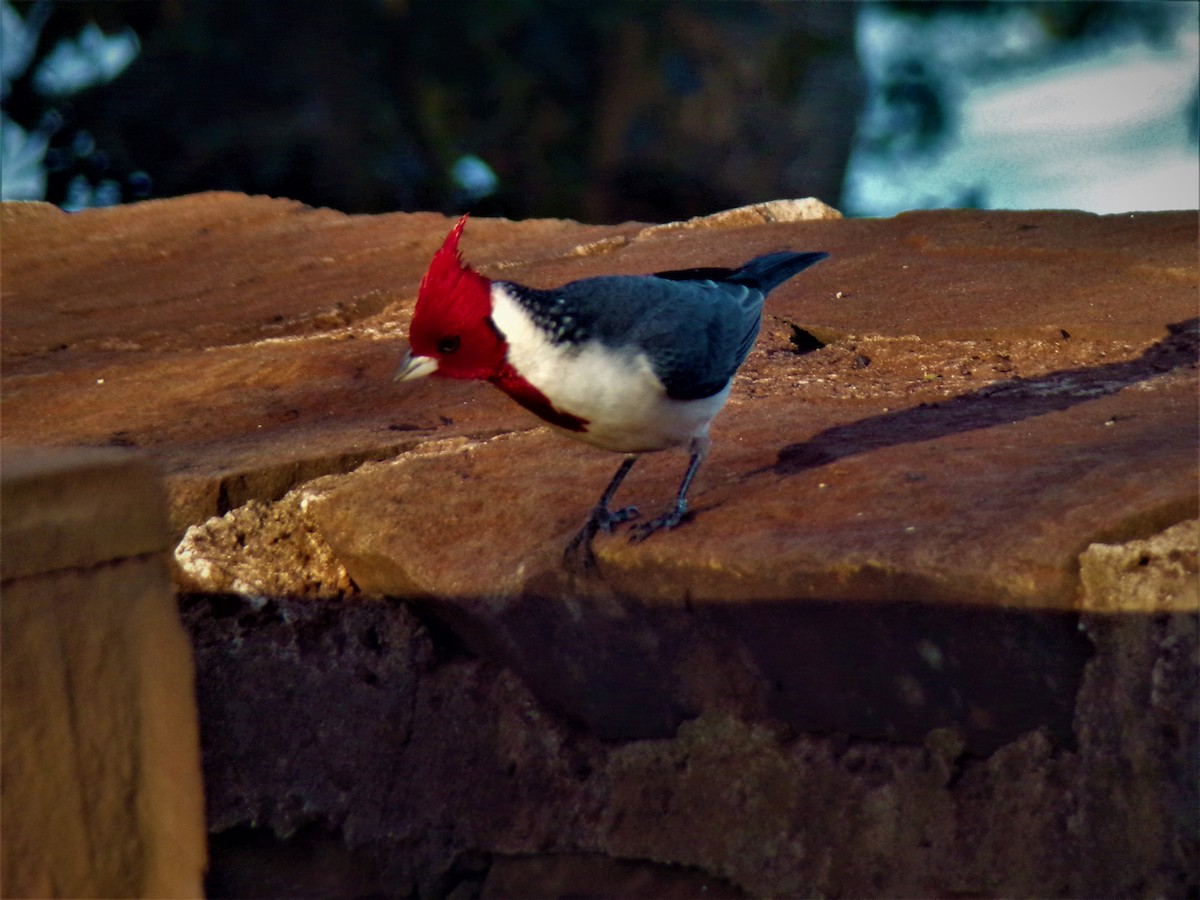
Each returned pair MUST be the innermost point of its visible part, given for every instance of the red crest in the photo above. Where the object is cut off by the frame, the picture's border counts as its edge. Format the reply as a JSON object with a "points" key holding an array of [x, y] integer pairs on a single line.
{"points": [[453, 296], [452, 319]]}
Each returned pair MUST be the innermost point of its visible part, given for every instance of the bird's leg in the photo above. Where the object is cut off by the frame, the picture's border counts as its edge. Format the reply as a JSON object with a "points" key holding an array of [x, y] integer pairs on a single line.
{"points": [[674, 515], [602, 518]]}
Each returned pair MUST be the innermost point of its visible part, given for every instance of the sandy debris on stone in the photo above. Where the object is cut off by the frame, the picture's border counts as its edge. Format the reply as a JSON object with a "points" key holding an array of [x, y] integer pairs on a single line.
{"points": [[1153, 575], [262, 550]]}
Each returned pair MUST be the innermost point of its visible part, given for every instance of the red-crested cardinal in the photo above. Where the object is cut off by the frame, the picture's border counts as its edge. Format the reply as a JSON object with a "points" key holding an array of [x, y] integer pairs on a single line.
{"points": [[630, 363]]}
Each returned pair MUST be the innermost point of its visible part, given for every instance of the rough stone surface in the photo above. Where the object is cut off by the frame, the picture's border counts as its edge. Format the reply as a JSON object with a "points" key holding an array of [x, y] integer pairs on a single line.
{"points": [[414, 767], [929, 629], [222, 335], [213, 557], [245, 343], [98, 731], [1142, 604], [579, 875], [52, 502], [924, 533], [1155, 575]]}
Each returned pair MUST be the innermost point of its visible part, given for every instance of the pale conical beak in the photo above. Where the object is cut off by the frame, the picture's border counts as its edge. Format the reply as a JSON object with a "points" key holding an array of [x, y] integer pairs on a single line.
{"points": [[415, 367]]}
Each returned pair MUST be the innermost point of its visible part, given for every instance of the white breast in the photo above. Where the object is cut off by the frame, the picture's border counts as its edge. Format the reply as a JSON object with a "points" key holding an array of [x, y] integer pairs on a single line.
{"points": [[617, 393]]}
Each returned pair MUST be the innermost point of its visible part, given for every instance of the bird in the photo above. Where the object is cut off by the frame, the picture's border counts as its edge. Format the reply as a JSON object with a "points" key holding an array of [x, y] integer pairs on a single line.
{"points": [[627, 363]]}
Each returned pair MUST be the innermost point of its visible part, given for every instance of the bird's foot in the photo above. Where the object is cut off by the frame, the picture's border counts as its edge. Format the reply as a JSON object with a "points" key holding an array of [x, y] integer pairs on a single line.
{"points": [[669, 519], [579, 551], [611, 518]]}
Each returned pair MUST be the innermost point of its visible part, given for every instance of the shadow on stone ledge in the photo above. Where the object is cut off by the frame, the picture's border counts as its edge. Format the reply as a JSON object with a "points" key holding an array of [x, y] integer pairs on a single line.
{"points": [[1002, 403], [874, 670], [345, 754]]}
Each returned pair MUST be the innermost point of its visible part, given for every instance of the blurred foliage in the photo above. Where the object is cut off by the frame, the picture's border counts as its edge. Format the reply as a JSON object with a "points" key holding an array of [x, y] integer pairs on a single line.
{"points": [[603, 109]]}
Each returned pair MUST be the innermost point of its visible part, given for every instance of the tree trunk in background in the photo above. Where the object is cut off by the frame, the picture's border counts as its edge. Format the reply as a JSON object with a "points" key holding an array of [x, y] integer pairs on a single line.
{"points": [[712, 106]]}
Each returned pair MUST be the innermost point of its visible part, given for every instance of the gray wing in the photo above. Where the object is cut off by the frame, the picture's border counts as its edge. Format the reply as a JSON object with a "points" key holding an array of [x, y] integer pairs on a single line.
{"points": [[695, 333], [695, 325]]}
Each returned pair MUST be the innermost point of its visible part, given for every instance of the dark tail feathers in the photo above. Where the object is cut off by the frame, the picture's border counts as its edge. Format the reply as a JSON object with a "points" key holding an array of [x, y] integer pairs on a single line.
{"points": [[764, 273], [768, 272]]}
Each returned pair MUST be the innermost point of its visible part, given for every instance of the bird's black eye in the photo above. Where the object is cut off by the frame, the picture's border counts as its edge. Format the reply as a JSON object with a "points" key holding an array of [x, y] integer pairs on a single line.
{"points": [[449, 344]]}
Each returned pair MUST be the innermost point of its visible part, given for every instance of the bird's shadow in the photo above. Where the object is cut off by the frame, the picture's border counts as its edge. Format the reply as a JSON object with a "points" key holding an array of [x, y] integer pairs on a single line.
{"points": [[1000, 403]]}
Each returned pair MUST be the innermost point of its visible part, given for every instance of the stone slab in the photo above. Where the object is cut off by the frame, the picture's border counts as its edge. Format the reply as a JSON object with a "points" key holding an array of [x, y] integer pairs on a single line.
{"points": [[490, 792], [75, 508], [98, 730], [997, 391], [210, 270], [986, 498], [857, 669], [944, 536], [245, 343]]}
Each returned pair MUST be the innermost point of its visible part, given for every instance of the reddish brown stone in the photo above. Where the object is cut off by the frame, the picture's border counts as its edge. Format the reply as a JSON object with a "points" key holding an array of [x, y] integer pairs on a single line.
{"points": [[216, 269], [885, 543], [984, 498], [151, 325]]}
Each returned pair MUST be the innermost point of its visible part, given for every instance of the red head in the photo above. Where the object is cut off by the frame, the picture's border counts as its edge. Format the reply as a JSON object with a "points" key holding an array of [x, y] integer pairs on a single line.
{"points": [[451, 332]]}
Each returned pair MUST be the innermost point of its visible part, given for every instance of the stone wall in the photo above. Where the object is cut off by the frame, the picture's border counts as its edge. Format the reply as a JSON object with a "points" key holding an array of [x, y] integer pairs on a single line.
{"points": [[931, 627], [98, 727]]}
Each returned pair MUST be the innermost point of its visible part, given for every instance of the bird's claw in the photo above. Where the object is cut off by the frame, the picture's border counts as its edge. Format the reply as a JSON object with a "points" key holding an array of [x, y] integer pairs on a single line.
{"points": [[601, 519], [612, 518], [669, 519]]}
